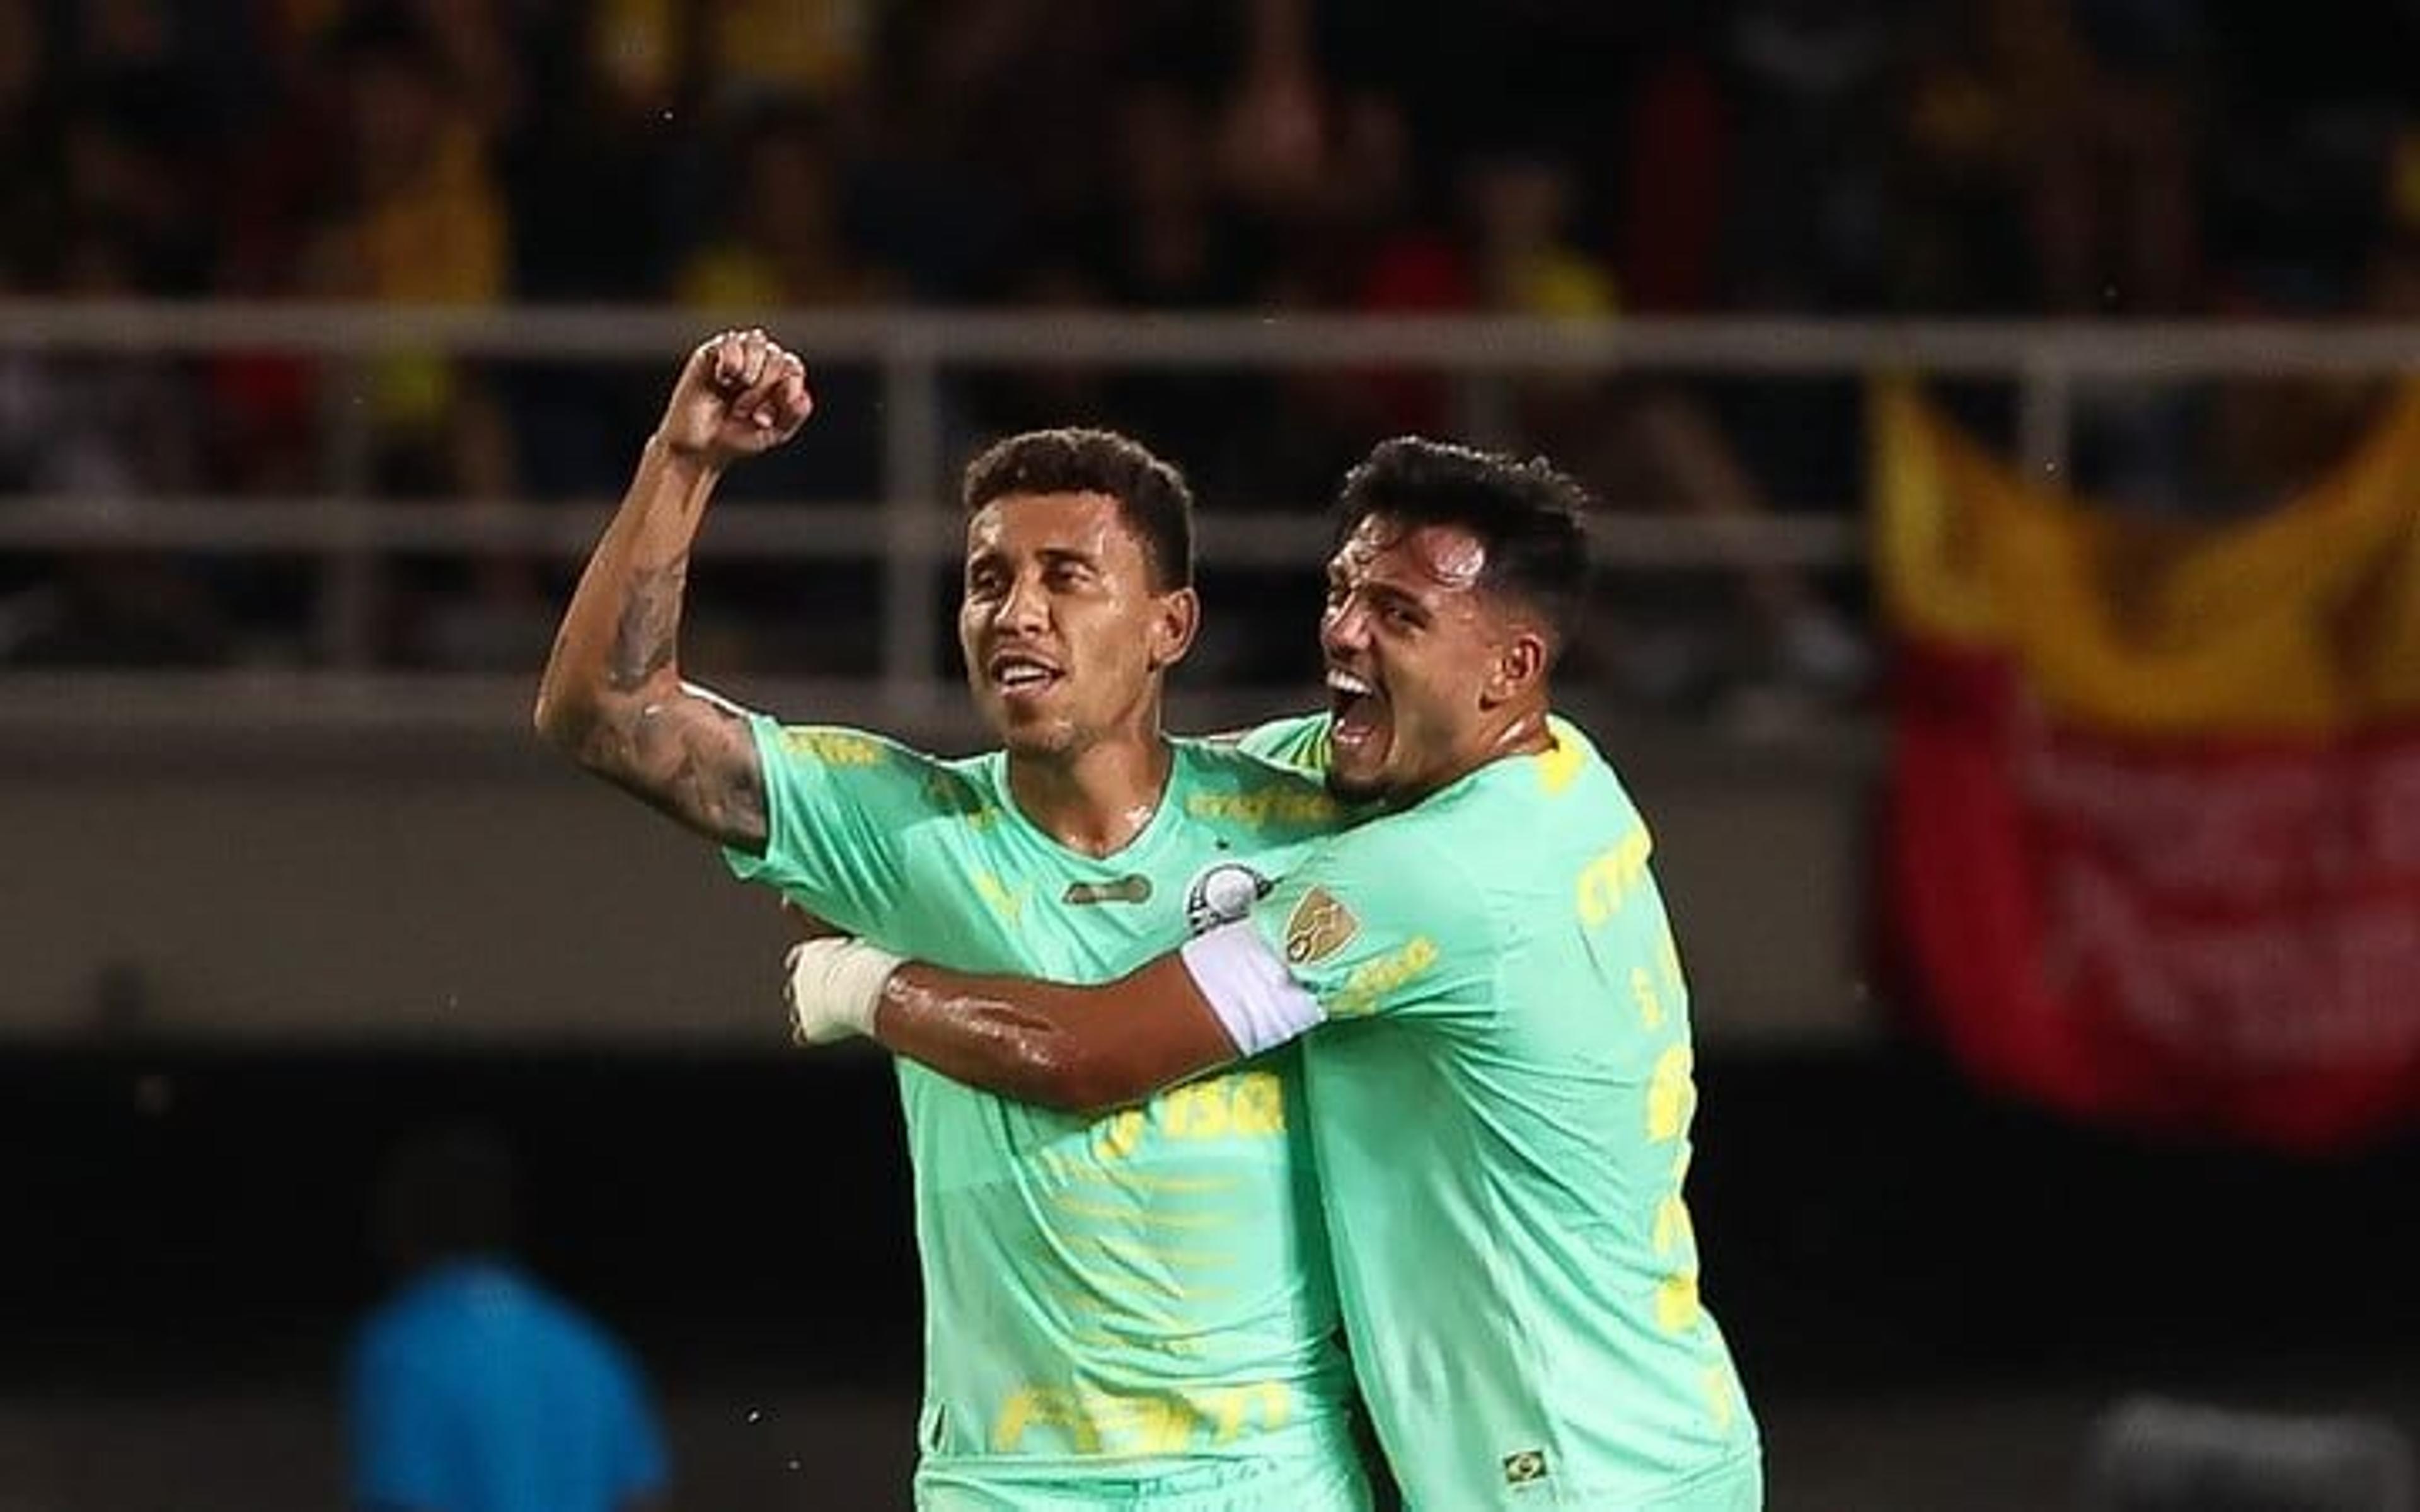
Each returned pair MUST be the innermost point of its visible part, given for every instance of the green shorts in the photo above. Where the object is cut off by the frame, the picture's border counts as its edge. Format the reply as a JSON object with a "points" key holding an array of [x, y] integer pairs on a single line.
{"points": [[1327, 1484]]}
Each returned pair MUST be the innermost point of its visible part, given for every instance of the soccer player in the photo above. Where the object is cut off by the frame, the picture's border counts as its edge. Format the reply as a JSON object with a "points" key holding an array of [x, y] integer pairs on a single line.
{"points": [[1499, 1087], [1135, 1312]]}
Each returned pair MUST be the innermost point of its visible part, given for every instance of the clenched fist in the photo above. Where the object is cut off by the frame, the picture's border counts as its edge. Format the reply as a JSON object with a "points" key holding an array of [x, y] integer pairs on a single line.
{"points": [[740, 393]]}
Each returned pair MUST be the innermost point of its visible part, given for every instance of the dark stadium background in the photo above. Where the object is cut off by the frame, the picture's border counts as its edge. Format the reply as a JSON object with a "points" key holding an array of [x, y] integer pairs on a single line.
{"points": [[280, 883]]}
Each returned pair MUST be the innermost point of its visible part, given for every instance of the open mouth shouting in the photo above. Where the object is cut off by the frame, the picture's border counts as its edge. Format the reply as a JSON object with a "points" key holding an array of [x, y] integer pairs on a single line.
{"points": [[1360, 726], [1020, 676]]}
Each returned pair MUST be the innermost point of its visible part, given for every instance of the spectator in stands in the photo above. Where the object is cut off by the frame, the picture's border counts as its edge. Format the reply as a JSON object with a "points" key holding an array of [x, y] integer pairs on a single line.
{"points": [[90, 431], [422, 220], [1645, 443], [473, 1388], [1803, 224], [29, 187], [781, 245]]}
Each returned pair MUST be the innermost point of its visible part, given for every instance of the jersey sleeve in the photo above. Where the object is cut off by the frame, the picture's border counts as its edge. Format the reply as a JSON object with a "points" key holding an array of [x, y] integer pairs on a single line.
{"points": [[841, 808], [1298, 741], [1379, 920]]}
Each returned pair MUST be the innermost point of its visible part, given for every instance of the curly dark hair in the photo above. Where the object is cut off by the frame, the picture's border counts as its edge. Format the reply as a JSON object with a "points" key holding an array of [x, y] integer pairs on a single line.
{"points": [[1531, 518], [1152, 494]]}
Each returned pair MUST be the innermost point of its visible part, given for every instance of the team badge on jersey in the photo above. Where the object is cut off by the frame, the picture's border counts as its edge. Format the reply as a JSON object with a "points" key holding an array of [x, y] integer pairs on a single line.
{"points": [[1525, 1468], [1222, 894], [1318, 928]]}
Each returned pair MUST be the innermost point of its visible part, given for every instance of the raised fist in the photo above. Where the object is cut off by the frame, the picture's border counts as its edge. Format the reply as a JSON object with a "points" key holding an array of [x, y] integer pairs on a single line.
{"points": [[740, 393]]}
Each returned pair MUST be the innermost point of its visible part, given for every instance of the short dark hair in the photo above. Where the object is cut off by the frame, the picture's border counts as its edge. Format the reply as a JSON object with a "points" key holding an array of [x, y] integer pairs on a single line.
{"points": [[1531, 519], [1151, 493]]}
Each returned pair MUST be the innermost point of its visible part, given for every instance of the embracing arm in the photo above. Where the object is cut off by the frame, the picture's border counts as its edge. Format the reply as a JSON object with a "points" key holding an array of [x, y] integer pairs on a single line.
{"points": [[1082, 1049], [611, 697]]}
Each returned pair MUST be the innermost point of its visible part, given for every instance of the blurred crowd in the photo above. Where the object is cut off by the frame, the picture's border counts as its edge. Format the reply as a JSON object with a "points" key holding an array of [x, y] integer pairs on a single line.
{"points": [[2016, 156], [2074, 157]]}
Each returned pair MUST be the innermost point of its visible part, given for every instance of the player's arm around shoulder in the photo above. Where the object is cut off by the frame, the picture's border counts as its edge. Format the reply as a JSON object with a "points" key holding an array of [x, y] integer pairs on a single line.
{"points": [[1233, 991], [1078, 1049], [611, 697]]}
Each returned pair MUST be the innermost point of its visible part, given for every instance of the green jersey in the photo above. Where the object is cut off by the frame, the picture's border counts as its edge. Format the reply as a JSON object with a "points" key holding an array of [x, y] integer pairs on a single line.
{"points": [[1500, 1099], [1143, 1301]]}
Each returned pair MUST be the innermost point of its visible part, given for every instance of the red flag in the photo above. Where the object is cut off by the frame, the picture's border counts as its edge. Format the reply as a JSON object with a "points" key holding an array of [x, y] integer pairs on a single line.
{"points": [[2154, 795]]}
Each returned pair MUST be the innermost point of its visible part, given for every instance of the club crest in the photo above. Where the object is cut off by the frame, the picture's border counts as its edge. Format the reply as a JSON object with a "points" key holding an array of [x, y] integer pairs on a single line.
{"points": [[1319, 927], [1221, 894]]}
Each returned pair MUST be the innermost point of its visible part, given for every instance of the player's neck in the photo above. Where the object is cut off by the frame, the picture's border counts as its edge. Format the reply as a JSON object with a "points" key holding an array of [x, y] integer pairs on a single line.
{"points": [[1523, 732], [1094, 801]]}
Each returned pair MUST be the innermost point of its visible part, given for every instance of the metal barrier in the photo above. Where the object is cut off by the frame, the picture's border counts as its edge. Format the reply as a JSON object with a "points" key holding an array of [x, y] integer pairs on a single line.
{"points": [[910, 529]]}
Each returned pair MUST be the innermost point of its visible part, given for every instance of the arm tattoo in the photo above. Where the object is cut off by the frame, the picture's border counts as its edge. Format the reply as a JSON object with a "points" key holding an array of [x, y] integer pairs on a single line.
{"points": [[690, 757], [646, 639], [694, 760]]}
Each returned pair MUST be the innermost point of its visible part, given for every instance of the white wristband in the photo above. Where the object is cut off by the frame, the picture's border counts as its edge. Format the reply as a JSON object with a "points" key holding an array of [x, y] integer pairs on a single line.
{"points": [[833, 986]]}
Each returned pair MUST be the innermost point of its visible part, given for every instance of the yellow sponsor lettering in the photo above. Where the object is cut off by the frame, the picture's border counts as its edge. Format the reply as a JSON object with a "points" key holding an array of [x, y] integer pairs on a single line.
{"points": [[1151, 1255], [1136, 1424], [1164, 1423], [1097, 1423], [1371, 981], [1671, 1096], [1234, 1404], [1259, 1102], [1642, 991], [1040, 1407], [834, 748], [1261, 806], [1559, 765], [1676, 1302], [1125, 1179], [1606, 883], [1672, 1225], [1245, 1104], [1717, 1384], [1198, 1111], [1147, 1217], [949, 793], [1117, 1135]]}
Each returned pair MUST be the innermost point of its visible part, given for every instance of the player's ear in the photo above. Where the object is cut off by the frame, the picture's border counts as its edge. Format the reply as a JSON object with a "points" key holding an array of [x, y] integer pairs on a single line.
{"points": [[1518, 667], [1175, 620]]}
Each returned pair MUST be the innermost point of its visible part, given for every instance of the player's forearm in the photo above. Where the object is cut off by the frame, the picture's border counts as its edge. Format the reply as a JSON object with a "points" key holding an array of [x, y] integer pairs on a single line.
{"points": [[1003, 1034], [617, 652], [1082, 1049]]}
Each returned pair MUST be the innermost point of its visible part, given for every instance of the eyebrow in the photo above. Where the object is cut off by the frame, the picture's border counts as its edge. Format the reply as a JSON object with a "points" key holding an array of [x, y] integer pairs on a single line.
{"points": [[995, 552], [1385, 594]]}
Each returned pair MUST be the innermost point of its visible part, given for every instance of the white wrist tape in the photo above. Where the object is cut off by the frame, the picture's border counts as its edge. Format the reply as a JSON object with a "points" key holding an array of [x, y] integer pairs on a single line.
{"points": [[833, 986]]}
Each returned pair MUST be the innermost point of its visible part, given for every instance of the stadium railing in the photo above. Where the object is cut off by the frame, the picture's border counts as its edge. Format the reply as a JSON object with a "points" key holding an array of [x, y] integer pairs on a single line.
{"points": [[909, 531]]}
